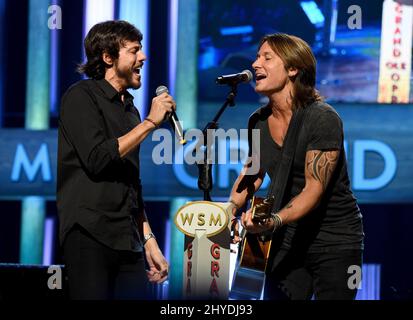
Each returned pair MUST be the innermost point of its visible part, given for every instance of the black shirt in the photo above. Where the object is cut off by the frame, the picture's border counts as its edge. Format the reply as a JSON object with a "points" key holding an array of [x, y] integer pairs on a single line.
{"points": [[95, 187], [336, 223]]}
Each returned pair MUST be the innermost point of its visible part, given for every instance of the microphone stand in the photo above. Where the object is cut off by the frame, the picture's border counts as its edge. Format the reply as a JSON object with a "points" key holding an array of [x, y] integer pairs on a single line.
{"points": [[205, 168]]}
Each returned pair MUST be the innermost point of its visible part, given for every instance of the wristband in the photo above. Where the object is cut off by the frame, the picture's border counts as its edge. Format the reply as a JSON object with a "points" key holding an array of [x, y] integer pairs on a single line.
{"points": [[233, 202], [277, 221], [148, 236], [153, 122]]}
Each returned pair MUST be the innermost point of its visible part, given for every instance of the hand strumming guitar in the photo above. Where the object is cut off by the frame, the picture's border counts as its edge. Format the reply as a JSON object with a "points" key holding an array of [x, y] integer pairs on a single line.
{"points": [[254, 225]]}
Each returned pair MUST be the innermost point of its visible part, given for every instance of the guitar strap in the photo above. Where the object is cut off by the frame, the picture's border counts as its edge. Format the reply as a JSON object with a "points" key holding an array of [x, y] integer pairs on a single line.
{"points": [[279, 182]]}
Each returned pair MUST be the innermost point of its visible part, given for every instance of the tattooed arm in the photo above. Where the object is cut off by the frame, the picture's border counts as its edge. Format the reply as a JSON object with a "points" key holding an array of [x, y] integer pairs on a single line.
{"points": [[319, 167]]}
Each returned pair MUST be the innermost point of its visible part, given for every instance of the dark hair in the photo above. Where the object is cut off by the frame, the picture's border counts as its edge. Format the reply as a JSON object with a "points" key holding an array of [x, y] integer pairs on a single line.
{"points": [[106, 37], [296, 53]]}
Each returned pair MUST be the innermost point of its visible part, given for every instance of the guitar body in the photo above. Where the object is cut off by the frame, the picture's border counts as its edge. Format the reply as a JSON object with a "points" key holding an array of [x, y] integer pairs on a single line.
{"points": [[249, 275], [256, 248], [255, 252]]}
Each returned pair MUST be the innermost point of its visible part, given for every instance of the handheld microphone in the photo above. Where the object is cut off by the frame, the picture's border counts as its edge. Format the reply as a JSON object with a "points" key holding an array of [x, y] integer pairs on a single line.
{"points": [[173, 118], [233, 79]]}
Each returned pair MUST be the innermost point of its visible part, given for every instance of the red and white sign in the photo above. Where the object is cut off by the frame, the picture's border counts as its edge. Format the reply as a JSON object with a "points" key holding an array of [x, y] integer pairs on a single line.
{"points": [[207, 249], [395, 53]]}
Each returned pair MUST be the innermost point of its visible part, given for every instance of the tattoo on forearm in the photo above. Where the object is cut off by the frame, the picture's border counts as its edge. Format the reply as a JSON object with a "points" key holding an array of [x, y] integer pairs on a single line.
{"points": [[321, 164], [289, 204]]}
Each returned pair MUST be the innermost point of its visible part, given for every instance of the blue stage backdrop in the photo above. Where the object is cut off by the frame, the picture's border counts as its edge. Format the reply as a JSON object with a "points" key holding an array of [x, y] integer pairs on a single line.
{"points": [[378, 144]]}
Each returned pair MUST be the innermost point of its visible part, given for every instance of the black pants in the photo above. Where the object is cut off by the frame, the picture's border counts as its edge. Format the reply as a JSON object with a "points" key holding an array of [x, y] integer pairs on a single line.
{"points": [[324, 275], [97, 272]]}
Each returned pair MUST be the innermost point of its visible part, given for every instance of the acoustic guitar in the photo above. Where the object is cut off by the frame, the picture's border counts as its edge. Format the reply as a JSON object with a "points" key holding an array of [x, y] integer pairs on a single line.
{"points": [[253, 255]]}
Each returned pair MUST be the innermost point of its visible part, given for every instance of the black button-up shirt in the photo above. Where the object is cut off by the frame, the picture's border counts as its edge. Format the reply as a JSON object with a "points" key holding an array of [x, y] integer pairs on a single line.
{"points": [[95, 187]]}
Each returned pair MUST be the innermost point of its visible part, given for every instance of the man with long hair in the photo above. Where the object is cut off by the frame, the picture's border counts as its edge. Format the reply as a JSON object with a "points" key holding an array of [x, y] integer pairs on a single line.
{"points": [[104, 230], [319, 223]]}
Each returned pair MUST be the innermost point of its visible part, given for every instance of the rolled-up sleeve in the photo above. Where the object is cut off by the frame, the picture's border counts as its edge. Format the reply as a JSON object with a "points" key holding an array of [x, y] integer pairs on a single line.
{"points": [[81, 121]]}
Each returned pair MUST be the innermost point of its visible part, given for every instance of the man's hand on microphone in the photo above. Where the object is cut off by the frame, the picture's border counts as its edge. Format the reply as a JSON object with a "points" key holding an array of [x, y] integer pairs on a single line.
{"points": [[161, 105]]}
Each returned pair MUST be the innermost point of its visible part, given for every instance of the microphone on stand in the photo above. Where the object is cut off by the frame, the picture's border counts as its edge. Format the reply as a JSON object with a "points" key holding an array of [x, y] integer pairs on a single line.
{"points": [[173, 118], [233, 79]]}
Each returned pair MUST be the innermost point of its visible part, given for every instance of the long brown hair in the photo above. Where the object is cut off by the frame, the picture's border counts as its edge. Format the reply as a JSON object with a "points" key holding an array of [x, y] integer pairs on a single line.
{"points": [[296, 53]]}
